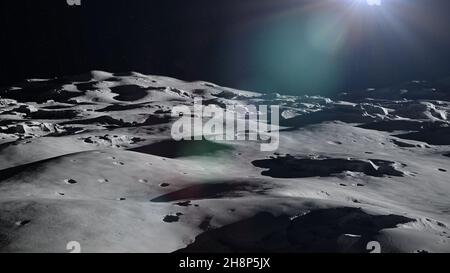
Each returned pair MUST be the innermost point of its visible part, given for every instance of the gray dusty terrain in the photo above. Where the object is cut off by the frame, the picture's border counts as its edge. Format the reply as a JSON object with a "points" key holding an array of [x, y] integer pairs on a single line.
{"points": [[90, 159]]}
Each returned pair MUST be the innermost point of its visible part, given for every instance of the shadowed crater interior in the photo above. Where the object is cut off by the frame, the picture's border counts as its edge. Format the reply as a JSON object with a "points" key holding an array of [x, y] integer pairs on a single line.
{"points": [[121, 107], [49, 114], [40, 92], [436, 136], [293, 167], [325, 230], [129, 92]]}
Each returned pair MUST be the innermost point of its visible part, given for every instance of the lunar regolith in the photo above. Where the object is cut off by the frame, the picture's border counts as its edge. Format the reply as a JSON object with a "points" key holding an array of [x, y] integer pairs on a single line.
{"points": [[90, 159]]}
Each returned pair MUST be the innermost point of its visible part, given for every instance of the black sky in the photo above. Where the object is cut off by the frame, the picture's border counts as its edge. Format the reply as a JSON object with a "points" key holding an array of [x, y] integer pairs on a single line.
{"points": [[214, 40]]}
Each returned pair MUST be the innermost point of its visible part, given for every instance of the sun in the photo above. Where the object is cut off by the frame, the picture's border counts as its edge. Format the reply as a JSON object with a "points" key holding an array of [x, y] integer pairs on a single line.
{"points": [[374, 2], [371, 3]]}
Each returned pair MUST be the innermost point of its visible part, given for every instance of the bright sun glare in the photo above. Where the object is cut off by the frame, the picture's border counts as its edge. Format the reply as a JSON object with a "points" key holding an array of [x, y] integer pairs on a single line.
{"points": [[374, 2]]}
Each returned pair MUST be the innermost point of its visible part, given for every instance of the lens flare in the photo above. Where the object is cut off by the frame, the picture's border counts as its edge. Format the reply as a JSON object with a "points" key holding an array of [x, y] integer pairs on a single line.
{"points": [[374, 2]]}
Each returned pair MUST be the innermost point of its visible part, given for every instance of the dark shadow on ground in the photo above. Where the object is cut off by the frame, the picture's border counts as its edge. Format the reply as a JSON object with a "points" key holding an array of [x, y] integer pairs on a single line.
{"points": [[26, 168], [121, 107], [102, 120], [325, 230], [55, 114], [57, 107], [129, 92], [156, 120], [174, 149], [438, 136], [215, 190], [293, 167], [399, 125]]}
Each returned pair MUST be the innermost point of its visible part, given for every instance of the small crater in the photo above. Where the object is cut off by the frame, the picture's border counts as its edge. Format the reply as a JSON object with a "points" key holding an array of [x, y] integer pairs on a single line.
{"points": [[309, 233], [103, 180], [121, 199], [70, 181], [129, 92], [164, 185], [22, 223], [118, 163], [171, 218], [88, 140], [442, 170], [184, 204]]}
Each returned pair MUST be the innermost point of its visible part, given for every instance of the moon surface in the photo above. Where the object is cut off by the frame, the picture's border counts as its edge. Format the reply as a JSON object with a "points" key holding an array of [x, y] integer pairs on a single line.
{"points": [[88, 160]]}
